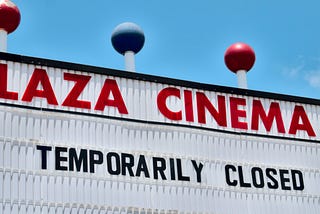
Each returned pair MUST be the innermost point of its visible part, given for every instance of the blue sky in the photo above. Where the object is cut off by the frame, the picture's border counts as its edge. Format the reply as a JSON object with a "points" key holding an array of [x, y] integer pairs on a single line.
{"points": [[184, 39]]}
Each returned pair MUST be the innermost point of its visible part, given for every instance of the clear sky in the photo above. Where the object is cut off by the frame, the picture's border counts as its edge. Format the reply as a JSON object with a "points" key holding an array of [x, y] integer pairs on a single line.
{"points": [[184, 39]]}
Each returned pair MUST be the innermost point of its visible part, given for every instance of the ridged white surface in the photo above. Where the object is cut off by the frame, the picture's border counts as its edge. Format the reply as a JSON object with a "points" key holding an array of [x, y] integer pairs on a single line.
{"points": [[23, 182], [26, 188]]}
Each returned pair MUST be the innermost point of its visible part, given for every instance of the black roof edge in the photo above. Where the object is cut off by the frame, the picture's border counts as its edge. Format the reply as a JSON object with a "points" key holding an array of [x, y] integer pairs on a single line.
{"points": [[153, 78]]}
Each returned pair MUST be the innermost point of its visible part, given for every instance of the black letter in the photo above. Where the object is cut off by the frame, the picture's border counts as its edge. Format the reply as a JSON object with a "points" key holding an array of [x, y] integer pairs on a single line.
{"points": [[179, 171], [254, 178], [295, 186], [44, 150], [93, 161], [127, 165], [227, 168], [160, 168], [83, 159], [275, 184], [109, 163], [242, 183], [59, 159], [142, 166], [283, 180], [172, 171], [198, 169]]}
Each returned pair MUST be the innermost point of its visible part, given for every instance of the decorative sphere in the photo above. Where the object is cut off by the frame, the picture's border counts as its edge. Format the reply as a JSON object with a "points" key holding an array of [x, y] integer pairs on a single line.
{"points": [[239, 56], [9, 16], [127, 37]]}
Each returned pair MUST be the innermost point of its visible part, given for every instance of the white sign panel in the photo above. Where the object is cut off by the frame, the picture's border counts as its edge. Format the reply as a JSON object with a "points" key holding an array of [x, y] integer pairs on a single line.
{"points": [[80, 139]]}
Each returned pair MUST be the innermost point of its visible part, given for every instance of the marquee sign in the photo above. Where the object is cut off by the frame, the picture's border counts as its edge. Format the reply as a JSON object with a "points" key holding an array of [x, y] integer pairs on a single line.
{"points": [[114, 96], [75, 137]]}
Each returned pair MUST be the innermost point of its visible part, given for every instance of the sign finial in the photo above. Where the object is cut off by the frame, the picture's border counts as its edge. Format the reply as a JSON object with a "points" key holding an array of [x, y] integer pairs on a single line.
{"points": [[9, 21], [239, 58], [128, 39]]}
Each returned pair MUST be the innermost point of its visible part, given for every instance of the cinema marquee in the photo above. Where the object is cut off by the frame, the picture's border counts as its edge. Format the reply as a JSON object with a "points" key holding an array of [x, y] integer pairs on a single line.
{"points": [[77, 137]]}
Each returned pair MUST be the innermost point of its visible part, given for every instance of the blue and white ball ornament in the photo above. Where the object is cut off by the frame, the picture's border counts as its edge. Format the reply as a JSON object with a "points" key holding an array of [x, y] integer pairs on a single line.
{"points": [[127, 37]]}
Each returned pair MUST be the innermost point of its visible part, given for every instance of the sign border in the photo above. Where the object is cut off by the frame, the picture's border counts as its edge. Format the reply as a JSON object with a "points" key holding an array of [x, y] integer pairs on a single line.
{"points": [[155, 79]]}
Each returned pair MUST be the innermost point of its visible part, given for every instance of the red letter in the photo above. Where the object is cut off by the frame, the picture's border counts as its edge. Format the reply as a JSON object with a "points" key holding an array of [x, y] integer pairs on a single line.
{"points": [[80, 83], [111, 86], [274, 114], [4, 93], [161, 101], [204, 103], [39, 76], [299, 113], [188, 105], [236, 113]]}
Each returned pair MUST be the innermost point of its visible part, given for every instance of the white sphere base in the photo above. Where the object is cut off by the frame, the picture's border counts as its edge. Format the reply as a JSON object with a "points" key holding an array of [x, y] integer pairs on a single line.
{"points": [[3, 40], [129, 61], [242, 79]]}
